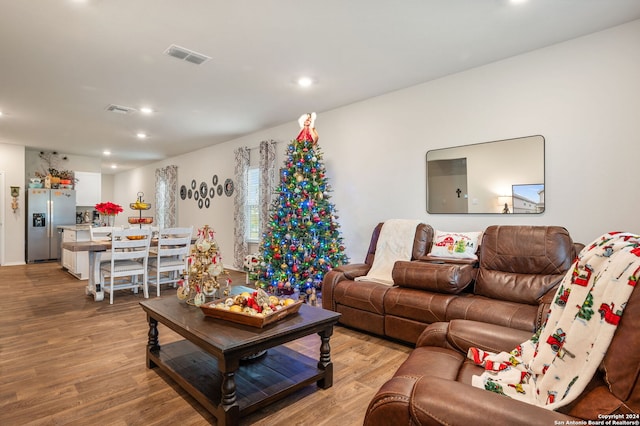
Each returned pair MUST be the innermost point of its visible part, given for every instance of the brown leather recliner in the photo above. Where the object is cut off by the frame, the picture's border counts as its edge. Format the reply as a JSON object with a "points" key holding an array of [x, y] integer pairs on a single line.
{"points": [[520, 267], [433, 386], [361, 303]]}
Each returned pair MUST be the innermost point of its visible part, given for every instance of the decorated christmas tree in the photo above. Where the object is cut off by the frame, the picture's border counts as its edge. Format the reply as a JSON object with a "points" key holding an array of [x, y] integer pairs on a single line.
{"points": [[302, 240]]}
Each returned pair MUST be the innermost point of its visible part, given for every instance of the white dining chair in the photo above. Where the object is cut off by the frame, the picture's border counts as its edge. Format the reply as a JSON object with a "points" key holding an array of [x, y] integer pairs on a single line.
{"points": [[168, 259], [129, 261], [102, 233]]}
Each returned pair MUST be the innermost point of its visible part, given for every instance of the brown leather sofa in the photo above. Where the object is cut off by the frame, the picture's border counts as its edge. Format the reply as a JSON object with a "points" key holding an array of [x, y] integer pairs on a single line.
{"points": [[433, 386], [511, 285]]}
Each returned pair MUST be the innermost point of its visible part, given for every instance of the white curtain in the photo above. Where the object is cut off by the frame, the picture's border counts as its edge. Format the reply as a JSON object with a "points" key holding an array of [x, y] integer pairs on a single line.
{"points": [[240, 246], [267, 171], [166, 196]]}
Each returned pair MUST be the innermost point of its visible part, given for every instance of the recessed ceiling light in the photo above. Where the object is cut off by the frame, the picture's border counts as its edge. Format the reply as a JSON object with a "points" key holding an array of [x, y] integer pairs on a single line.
{"points": [[146, 110], [0, 113], [141, 135], [114, 166], [517, 1], [305, 81], [106, 152]]}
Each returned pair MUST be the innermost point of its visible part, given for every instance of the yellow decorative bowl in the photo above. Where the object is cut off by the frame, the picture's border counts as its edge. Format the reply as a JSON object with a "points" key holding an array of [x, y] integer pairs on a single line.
{"points": [[140, 206], [137, 220], [136, 237]]}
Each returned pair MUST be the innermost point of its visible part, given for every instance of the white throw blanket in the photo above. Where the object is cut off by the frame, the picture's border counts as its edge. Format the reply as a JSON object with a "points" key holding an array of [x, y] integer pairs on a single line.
{"points": [[395, 243], [553, 367]]}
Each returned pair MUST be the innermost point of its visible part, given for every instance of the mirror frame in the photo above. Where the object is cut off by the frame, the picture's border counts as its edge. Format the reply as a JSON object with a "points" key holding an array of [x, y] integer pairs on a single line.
{"points": [[483, 177]]}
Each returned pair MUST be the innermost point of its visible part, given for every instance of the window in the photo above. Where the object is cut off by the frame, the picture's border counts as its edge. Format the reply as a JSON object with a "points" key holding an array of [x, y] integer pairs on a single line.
{"points": [[253, 205]]}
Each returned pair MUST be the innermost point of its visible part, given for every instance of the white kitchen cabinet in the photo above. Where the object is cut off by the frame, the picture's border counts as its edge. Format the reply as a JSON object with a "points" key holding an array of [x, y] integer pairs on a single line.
{"points": [[76, 263], [88, 188], [68, 257]]}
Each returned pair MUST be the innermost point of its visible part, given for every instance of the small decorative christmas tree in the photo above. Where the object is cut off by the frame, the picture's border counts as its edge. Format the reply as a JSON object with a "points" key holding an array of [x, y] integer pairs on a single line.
{"points": [[204, 268], [302, 241]]}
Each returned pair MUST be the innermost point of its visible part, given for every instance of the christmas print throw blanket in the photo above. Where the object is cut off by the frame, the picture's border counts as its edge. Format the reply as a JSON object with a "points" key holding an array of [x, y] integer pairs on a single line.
{"points": [[395, 243], [553, 367]]}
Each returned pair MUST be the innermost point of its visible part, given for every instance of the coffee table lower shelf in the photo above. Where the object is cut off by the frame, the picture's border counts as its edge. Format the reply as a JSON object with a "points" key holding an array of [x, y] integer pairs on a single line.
{"points": [[258, 382]]}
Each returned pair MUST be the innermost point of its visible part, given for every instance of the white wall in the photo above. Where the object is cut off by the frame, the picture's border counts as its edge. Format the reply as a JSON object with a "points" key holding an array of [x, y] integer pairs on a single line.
{"points": [[12, 163], [583, 96], [80, 163]]}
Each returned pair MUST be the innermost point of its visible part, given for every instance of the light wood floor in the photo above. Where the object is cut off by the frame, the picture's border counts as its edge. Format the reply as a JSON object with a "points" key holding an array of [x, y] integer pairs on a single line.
{"points": [[65, 359]]}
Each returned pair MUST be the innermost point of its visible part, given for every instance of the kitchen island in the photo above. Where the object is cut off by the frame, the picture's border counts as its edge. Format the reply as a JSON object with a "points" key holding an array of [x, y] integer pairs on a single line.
{"points": [[76, 263]]}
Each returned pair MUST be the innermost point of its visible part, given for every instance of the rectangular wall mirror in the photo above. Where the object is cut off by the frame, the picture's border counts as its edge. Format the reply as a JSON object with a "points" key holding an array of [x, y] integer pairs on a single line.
{"points": [[502, 177]]}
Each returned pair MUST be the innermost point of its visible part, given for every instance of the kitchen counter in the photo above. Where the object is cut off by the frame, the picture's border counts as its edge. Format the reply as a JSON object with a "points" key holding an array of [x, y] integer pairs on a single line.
{"points": [[78, 227], [77, 264]]}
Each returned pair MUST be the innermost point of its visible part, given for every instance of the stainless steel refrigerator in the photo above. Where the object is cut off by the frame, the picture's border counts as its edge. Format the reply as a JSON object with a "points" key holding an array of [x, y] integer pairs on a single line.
{"points": [[47, 209]]}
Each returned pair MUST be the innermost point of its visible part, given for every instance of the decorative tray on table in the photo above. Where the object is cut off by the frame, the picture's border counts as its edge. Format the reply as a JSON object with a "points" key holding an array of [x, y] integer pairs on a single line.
{"points": [[221, 309]]}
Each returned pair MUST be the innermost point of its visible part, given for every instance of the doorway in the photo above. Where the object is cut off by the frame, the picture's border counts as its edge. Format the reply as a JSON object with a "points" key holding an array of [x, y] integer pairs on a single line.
{"points": [[2, 208], [447, 186]]}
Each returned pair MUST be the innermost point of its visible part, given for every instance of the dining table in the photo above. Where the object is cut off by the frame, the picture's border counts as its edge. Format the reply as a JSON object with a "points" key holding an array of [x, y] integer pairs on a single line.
{"points": [[95, 250]]}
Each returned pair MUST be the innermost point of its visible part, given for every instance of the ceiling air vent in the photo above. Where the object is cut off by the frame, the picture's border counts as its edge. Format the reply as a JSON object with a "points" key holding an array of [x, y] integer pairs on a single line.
{"points": [[120, 109], [186, 54]]}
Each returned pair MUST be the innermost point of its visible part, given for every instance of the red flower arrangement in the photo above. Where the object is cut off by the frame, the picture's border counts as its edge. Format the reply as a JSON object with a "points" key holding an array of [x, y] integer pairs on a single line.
{"points": [[108, 208]]}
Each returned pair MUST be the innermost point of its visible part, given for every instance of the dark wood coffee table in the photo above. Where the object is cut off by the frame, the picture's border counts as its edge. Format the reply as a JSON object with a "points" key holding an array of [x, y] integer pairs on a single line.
{"points": [[209, 364]]}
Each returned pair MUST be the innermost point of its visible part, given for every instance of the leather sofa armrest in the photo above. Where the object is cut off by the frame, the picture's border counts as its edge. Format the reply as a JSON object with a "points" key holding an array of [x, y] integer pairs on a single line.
{"points": [[333, 277], [440, 401], [434, 335], [437, 277], [463, 334], [354, 270]]}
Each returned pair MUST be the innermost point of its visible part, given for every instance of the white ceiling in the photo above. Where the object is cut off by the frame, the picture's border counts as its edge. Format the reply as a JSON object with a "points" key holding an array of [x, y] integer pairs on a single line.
{"points": [[62, 62]]}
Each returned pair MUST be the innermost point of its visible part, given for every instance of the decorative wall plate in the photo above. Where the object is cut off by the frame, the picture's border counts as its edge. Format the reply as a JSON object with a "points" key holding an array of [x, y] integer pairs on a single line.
{"points": [[228, 187], [200, 203], [212, 192], [183, 192], [220, 189], [196, 195], [203, 189], [189, 193], [215, 179], [207, 202], [193, 184]]}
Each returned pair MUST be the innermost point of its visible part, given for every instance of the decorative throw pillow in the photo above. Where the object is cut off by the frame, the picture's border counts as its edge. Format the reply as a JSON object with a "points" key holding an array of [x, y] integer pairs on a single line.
{"points": [[460, 245]]}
